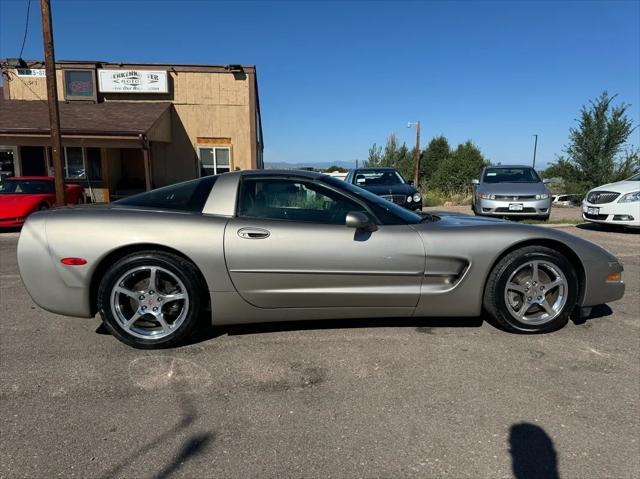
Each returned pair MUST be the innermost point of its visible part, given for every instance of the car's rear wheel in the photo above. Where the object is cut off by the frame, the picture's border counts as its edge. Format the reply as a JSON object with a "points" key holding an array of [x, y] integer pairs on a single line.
{"points": [[532, 290], [151, 299]]}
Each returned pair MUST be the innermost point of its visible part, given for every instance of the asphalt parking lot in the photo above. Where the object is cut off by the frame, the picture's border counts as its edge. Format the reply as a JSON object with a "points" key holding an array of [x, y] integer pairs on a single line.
{"points": [[396, 398]]}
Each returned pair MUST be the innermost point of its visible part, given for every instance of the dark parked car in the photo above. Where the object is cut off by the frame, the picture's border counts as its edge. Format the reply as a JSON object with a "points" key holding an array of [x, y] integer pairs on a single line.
{"points": [[387, 183]]}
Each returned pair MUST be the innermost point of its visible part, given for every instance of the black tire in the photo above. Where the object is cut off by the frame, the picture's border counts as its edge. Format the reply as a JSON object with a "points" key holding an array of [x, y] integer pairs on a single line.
{"points": [[43, 207], [183, 269], [494, 294]]}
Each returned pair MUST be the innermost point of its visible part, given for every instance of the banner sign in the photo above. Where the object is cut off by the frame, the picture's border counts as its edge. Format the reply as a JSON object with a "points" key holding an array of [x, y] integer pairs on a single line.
{"points": [[132, 81], [31, 72]]}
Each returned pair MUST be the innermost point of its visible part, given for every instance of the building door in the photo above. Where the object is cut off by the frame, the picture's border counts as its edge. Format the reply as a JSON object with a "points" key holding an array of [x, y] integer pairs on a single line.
{"points": [[33, 161]]}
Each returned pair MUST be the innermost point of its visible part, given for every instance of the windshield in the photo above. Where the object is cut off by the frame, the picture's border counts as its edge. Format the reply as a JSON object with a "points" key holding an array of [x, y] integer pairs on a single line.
{"points": [[185, 196], [635, 177], [382, 177], [379, 204], [26, 187], [510, 175]]}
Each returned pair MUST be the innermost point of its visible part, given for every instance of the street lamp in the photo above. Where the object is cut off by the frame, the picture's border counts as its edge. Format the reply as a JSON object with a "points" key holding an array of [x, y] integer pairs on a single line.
{"points": [[416, 163], [535, 147]]}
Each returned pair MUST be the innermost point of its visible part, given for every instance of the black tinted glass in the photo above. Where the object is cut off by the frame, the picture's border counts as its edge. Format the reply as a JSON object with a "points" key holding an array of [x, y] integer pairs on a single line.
{"points": [[187, 196], [294, 200], [387, 212], [26, 187]]}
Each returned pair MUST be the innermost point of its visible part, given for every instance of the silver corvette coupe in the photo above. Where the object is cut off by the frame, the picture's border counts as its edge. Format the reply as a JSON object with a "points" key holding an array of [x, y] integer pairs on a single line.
{"points": [[257, 246]]}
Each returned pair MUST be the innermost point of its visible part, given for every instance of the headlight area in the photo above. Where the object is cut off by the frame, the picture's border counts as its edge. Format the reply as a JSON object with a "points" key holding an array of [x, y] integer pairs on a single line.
{"points": [[415, 198], [632, 197], [486, 196], [543, 196]]}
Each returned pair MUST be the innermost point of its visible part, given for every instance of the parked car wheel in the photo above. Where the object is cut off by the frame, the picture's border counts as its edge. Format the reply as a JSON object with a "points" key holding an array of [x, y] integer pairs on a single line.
{"points": [[43, 207], [151, 299], [531, 290]]}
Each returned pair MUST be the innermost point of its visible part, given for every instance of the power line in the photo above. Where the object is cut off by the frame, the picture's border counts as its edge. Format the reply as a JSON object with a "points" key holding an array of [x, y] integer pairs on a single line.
{"points": [[26, 28]]}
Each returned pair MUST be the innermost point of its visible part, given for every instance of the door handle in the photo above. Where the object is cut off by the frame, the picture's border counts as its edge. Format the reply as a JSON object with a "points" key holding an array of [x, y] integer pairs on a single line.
{"points": [[253, 233]]}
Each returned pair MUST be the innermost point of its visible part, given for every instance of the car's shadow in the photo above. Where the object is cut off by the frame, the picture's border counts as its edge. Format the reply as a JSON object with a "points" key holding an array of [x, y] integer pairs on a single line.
{"points": [[420, 325], [608, 228]]}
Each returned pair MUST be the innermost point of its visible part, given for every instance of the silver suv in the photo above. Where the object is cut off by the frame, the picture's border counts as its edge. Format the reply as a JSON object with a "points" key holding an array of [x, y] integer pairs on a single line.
{"points": [[511, 191]]}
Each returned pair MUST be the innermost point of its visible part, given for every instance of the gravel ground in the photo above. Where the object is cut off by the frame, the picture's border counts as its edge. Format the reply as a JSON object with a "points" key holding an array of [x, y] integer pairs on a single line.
{"points": [[395, 398]]}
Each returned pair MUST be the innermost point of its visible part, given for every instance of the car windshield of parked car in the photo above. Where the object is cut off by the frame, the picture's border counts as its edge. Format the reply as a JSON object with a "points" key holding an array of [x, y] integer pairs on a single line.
{"points": [[510, 175], [186, 196], [635, 177], [385, 210], [381, 177], [26, 187]]}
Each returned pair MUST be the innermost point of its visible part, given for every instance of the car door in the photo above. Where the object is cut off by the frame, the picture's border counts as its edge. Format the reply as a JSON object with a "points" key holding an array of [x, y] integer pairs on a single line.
{"points": [[288, 247]]}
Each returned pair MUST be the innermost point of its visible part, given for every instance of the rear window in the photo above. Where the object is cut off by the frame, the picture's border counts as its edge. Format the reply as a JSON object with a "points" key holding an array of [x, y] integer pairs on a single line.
{"points": [[26, 187], [186, 196]]}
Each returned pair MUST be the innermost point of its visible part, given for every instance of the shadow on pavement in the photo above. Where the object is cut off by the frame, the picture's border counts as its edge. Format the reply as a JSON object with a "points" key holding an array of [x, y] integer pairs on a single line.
{"points": [[533, 455], [608, 228], [600, 311], [193, 445], [421, 325]]}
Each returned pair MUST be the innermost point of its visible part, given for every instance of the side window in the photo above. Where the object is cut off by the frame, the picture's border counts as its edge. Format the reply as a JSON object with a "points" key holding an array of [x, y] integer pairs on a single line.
{"points": [[294, 200]]}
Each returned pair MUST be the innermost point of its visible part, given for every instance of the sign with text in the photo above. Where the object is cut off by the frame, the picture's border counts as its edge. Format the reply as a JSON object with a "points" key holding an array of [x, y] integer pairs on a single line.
{"points": [[31, 72], [132, 81]]}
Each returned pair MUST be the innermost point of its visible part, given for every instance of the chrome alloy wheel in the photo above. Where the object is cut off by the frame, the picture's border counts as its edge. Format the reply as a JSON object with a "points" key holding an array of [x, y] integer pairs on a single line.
{"points": [[536, 292], [149, 302]]}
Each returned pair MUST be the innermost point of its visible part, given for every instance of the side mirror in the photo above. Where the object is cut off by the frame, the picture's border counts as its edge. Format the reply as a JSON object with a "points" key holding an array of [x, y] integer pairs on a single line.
{"points": [[475, 181], [410, 182], [360, 221], [546, 181]]}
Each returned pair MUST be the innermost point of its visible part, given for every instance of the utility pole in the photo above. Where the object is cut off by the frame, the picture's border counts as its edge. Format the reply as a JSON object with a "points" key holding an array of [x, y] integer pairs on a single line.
{"points": [[416, 161], [52, 101], [535, 147]]}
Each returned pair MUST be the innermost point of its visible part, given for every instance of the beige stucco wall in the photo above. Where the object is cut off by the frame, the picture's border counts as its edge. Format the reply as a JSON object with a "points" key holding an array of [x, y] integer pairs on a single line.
{"points": [[208, 105]]}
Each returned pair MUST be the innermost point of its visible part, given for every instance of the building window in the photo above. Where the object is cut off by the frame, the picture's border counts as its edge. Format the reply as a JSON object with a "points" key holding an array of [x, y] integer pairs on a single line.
{"points": [[215, 160], [79, 85], [79, 161]]}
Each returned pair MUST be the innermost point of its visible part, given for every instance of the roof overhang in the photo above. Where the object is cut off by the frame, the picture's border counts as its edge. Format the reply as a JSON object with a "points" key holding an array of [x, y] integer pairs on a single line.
{"points": [[100, 124]]}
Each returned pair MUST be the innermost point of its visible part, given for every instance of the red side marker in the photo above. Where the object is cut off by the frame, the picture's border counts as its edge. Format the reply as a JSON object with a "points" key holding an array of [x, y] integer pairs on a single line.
{"points": [[73, 261]]}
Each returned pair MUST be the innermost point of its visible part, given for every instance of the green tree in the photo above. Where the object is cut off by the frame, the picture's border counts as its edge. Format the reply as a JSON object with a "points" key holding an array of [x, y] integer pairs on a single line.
{"points": [[392, 155], [375, 157], [595, 154], [432, 156], [455, 172]]}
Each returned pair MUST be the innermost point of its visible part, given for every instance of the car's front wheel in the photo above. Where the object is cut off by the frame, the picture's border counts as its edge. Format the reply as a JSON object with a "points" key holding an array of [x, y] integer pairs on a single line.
{"points": [[532, 290], [151, 299]]}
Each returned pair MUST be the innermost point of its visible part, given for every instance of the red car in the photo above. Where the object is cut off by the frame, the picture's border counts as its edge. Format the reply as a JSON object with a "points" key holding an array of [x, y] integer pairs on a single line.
{"points": [[22, 195]]}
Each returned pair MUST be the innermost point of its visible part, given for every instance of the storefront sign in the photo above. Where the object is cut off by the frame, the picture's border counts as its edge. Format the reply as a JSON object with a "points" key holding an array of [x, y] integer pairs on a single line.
{"points": [[31, 72], [132, 81]]}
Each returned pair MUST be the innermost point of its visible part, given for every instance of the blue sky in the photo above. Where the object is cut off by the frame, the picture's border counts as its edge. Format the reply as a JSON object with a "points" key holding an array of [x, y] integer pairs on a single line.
{"points": [[335, 77]]}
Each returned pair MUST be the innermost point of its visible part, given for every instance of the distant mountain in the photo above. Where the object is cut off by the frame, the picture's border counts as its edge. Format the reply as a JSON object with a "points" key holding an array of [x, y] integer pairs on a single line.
{"points": [[318, 165]]}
